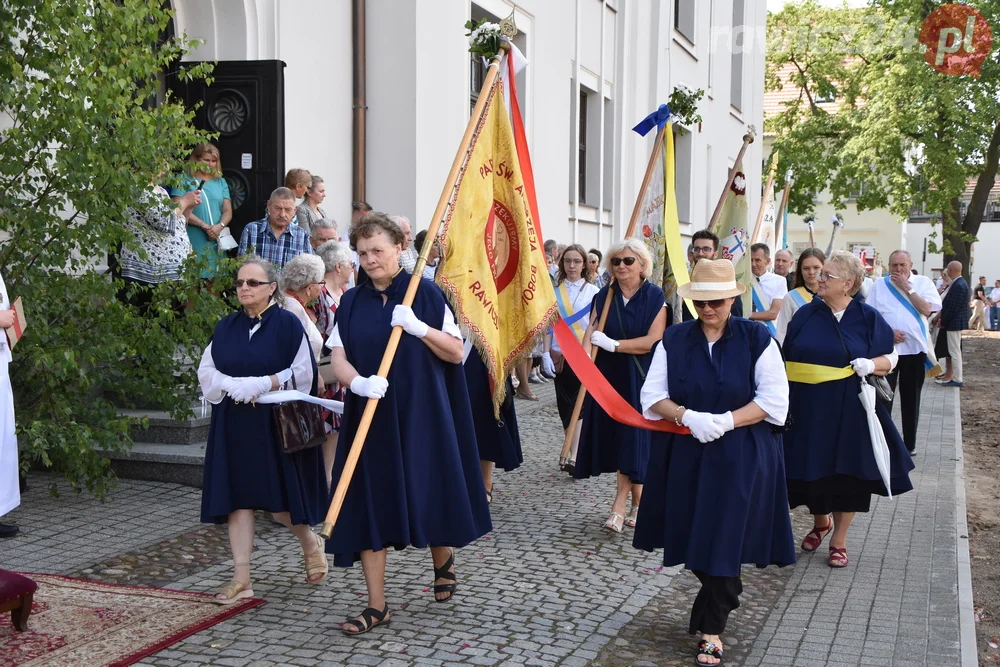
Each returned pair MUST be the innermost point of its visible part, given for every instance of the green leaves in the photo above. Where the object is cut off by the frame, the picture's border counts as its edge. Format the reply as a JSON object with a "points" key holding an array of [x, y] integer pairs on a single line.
{"points": [[896, 123], [82, 145]]}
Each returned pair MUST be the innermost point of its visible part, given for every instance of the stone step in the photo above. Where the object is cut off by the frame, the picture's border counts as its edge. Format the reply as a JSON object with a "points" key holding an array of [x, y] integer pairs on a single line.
{"points": [[166, 430], [159, 462]]}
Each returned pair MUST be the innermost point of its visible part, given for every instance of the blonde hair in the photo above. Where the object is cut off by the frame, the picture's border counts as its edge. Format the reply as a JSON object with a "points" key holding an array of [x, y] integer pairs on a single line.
{"points": [[850, 268], [637, 247], [205, 149], [298, 177]]}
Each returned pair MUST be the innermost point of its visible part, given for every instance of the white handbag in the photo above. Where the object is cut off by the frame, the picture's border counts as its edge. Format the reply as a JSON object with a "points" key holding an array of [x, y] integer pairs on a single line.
{"points": [[226, 240]]}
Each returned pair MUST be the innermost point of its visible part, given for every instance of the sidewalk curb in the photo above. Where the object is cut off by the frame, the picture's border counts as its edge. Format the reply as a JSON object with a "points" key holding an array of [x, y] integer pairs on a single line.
{"points": [[966, 610]]}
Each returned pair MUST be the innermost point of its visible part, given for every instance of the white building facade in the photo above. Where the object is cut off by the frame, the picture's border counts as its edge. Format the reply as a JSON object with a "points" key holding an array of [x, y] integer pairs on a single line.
{"points": [[597, 67]]}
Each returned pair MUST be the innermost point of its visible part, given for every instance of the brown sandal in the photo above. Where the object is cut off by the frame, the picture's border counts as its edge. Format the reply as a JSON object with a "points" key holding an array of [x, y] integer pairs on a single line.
{"points": [[316, 563]]}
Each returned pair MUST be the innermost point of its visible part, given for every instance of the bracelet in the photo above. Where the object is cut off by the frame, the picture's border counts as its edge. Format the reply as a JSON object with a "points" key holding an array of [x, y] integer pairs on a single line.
{"points": [[677, 414]]}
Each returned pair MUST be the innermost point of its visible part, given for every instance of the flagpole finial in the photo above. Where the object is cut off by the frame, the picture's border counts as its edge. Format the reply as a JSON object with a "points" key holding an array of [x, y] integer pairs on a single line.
{"points": [[507, 26], [750, 135]]}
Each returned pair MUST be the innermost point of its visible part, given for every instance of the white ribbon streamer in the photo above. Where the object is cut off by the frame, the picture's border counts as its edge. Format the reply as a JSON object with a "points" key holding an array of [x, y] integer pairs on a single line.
{"points": [[288, 395]]}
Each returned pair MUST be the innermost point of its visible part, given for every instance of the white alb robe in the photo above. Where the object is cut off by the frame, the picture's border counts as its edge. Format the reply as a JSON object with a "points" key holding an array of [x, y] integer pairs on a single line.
{"points": [[10, 490]]}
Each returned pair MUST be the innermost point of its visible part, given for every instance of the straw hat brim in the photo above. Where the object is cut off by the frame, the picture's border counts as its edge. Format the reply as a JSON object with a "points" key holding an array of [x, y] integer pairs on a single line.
{"points": [[686, 291]]}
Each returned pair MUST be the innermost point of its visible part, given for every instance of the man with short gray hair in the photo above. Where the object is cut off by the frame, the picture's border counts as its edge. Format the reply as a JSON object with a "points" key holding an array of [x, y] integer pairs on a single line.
{"points": [[407, 258], [905, 301], [783, 261], [953, 318], [323, 230], [275, 238]]}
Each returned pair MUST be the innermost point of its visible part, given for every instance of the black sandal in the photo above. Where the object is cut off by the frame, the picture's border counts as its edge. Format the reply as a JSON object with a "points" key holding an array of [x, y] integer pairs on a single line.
{"points": [[369, 619], [710, 649], [489, 496], [444, 573]]}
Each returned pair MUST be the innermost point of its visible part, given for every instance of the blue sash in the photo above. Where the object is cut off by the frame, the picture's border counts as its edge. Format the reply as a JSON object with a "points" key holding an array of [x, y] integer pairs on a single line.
{"points": [[930, 362], [758, 307], [571, 318], [800, 296]]}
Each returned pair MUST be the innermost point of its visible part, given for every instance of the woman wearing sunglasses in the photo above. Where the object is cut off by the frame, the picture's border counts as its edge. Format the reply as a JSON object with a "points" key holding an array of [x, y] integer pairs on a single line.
{"points": [[715, 499], [829, 463], [253, 351], [635, 323]]}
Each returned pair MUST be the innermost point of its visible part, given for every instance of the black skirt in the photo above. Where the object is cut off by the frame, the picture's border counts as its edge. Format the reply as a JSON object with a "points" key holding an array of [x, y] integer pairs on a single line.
{"points": [[836, 493], [567, 387]]}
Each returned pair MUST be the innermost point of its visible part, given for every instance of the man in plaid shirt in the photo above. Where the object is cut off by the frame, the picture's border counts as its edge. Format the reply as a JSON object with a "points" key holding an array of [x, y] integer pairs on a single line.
{"points": [[274, 238]]}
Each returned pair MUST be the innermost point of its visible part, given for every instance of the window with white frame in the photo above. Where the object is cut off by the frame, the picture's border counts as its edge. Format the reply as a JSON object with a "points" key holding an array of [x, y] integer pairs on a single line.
{"points": [[684, 14], [739, 38]]}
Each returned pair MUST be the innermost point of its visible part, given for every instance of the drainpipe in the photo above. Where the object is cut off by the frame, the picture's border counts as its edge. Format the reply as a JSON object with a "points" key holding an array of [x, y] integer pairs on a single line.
{"points": [[360, 98]]}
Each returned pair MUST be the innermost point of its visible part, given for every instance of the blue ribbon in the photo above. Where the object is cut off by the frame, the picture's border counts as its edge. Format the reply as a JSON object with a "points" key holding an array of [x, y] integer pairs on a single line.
{"points": [[758, 307], [656, 119]]}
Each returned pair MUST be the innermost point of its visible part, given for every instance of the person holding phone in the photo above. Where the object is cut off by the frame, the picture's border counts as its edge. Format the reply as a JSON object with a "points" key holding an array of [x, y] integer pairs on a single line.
{"points": [[206, 222]]}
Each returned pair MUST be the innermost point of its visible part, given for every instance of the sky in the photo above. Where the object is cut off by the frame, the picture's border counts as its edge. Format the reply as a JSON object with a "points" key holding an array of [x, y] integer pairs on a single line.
{"points": [[776, 5]]}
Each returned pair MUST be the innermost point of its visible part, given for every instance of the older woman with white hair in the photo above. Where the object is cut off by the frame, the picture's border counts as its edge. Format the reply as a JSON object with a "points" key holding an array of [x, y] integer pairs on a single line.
{"points": [[635, 324], [831, 342], [715, 498], [301, 281]]}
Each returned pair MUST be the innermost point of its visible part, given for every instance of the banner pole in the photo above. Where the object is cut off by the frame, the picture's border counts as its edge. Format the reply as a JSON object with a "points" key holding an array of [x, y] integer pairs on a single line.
{"points": [[714, 222], [779, 220], [636, 212], [763, 202], [461, 157]]}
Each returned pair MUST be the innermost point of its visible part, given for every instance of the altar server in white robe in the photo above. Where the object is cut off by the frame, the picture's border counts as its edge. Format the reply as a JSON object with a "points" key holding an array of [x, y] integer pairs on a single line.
{"points": [[10, 494]]}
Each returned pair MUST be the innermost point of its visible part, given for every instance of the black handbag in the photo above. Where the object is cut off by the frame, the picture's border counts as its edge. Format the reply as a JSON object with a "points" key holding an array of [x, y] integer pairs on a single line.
{"points": [[299, 424]]}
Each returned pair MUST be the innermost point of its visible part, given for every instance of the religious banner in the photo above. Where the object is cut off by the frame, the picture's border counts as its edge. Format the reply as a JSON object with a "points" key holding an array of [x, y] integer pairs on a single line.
{"points": [[734, 241], [768, 232], [493, 272]]}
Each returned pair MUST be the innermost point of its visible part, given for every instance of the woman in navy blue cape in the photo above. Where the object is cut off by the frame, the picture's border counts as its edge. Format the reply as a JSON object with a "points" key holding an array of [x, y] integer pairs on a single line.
{"points": [[635, 324], [254, 350], [418, 480], [499, 440], [828, 452], [715, 499]]}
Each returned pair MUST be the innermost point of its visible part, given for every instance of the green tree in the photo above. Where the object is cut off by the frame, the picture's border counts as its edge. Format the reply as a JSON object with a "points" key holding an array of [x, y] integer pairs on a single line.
{"points": [[912, 135], [81, 141]]}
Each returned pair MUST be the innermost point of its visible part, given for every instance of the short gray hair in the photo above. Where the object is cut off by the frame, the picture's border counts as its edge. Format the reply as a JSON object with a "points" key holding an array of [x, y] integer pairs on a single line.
{"points": [[850, 268], [333, 253], [909, 257], [301, 272], [281, 193], [322, 223], [270, 270], [637, 247], [791, 257], [400, 219]]}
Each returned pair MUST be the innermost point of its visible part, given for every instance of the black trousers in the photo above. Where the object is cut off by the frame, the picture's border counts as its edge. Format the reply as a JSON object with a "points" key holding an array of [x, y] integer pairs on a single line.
{"points": [[908, 381], [718, 597], [567, 388]]}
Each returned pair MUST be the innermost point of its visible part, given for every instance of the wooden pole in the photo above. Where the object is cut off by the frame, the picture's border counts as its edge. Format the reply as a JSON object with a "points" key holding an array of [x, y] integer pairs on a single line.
{"points": [[763, 202], [636, 212], [714, 222], [461, 157], [812, 235], [779, 223]]}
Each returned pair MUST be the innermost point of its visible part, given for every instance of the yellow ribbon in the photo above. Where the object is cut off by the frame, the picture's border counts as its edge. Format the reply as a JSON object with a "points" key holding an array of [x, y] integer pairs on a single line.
{"points": [[815, 373]]}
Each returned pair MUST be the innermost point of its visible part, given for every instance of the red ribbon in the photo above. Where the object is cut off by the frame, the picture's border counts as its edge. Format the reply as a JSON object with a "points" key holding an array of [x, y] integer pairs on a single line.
{"points": [[610, 400]]}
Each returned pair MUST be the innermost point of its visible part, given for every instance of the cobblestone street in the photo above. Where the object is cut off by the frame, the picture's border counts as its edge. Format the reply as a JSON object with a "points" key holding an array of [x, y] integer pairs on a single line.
{"points": [[548, 586]]}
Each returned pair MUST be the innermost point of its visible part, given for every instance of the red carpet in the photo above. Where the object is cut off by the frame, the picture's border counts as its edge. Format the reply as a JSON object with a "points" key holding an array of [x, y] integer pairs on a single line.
{"points": [[76, 622]]}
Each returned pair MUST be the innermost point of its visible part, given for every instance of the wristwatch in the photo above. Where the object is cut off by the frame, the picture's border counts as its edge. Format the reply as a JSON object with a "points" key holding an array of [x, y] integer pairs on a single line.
{"points": [[617, 344], [912, 291]]}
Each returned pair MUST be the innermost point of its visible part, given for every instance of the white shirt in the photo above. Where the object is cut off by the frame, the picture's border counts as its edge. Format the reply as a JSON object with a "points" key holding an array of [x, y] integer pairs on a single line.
{"points": [[773, 286], [312, 333], [211, 380], [448, 326], [770, 384], [881, 298], [788, 309], [580, 293], [995, 295]]}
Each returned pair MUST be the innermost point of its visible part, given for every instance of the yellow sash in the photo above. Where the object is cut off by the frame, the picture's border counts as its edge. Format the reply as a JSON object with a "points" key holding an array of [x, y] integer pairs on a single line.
{"points": [[577, 325], [815, 373]]}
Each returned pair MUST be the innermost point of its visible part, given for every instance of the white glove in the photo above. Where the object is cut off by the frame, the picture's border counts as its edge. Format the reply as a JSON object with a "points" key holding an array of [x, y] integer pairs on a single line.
{"points": [[283, 376], [725, 421], [863, 366], [702, 426], [403, 316], [370, 387], [548, 367], [599, 339], [248, 388]]}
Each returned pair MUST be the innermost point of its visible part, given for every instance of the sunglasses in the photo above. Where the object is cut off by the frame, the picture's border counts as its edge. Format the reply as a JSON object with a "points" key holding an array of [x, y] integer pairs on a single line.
{"points": [[618, 261], [250, 282], [714, 303]]}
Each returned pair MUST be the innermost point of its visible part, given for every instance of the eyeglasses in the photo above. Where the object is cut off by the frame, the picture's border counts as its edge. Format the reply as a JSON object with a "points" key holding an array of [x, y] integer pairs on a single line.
{"points": [[618, 261], [714, 303], [569, 260], [824, 276], [320, 284], [250, 282], [702, 250]]}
